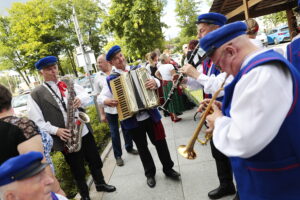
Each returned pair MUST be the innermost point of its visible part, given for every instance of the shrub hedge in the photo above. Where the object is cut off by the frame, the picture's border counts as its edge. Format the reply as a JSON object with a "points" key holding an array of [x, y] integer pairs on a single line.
{"points": [[62, 170]]}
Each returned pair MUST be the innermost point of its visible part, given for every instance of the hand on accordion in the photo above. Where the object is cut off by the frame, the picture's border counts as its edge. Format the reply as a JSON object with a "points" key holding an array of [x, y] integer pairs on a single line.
{"points": [[151, 84], [111, 102]]}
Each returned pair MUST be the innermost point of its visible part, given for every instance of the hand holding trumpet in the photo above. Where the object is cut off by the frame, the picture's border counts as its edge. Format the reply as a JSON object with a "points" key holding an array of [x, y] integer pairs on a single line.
{"points": [[214, 113]]}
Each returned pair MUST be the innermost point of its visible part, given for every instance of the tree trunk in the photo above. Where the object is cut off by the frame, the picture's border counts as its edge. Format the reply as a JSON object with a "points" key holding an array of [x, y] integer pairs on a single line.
{"points": [[70, 55], [62, 73], [23, 77]]}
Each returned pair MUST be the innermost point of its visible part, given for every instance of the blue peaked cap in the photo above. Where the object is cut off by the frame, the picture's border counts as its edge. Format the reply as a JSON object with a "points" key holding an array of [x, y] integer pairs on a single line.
{"points": [[112, 51], [46, 61], [298, 8], [220, 36], [21, 167], [212, 18]]}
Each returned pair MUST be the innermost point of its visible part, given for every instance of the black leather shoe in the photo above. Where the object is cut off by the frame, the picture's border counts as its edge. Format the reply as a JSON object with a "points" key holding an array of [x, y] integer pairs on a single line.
{"points": [[151, 181], [222, 191], [172, 174], [105, 188], [133, 151], [85, 198]]}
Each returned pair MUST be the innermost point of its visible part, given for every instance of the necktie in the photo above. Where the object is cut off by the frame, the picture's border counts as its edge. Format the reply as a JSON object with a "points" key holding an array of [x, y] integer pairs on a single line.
{"points": [[62, 86]]}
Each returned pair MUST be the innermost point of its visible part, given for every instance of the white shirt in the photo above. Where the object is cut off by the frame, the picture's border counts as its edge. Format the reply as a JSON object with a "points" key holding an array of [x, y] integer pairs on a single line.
{"points": [[35, 113], [60, 197], [165, 71], [260, 103], [209, 83], [101, 83], [98, 82], [106, 94]]}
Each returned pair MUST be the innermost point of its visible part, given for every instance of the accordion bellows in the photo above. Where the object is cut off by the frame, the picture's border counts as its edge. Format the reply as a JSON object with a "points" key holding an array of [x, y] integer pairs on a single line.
{"points": [[130, 91]]}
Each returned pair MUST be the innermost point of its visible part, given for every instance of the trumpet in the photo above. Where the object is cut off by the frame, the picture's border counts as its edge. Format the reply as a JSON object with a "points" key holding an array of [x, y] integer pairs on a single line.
{"points": [[187, 151]]}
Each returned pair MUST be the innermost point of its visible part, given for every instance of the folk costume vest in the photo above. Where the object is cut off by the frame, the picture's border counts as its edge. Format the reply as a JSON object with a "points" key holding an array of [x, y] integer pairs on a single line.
{"points": [[293, 53], [274, 172], [51, 113]]}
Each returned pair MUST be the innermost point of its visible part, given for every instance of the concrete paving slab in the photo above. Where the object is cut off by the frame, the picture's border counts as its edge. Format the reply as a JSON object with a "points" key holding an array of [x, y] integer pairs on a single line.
{"points": [[198, 176]]}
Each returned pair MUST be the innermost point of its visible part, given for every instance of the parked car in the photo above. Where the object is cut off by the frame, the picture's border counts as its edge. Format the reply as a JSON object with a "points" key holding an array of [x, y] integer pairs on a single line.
{"points": [[279, 34], [19, 104], [85, 83], [263, 38]]}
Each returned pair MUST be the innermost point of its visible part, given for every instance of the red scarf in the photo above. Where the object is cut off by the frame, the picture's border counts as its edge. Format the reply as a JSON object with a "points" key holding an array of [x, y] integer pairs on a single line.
{"points": [[62, 86]]}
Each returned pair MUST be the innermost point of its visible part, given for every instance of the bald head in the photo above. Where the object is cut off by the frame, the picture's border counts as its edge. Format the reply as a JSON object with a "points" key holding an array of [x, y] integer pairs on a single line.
{"points": [[102, 64]]}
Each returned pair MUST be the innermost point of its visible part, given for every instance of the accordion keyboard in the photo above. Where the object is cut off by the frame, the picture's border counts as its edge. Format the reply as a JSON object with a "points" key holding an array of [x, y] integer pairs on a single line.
{"points": [[119, 93]]}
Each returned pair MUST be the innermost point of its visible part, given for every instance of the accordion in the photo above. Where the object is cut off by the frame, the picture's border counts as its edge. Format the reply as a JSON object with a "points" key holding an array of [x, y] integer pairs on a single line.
{"points": [[132, 95]]}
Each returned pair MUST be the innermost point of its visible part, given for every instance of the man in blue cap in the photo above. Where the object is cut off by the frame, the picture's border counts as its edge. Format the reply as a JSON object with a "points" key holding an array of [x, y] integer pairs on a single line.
{"points": [[47, 107], [210, 79], [293, 49], [24, 177], [144, 123], [110, 114], [260, 137]]}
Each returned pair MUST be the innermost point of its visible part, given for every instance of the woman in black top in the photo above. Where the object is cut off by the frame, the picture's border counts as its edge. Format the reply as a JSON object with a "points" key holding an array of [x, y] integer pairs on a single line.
{"points": [[19, 135]]}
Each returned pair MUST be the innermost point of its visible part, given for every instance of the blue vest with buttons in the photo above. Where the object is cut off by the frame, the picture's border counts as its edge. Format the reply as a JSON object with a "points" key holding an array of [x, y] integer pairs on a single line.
{"points": [[274, 172], [293, 53], [131, 122]]}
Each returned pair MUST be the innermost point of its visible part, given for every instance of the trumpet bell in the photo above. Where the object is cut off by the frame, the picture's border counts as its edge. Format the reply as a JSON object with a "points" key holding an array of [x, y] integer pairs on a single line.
{"points": [[188, 154]]}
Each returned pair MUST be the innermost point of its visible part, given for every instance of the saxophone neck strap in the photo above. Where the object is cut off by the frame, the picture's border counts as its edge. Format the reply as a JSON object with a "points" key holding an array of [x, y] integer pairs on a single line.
{"points": [[61, 99]]}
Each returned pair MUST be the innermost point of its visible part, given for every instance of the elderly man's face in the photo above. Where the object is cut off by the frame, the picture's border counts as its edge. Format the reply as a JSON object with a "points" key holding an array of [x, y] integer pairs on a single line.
{"points": [[36, 187], [50, 73], [225, 58], [203, 29], [119, 61], [102, 64]]}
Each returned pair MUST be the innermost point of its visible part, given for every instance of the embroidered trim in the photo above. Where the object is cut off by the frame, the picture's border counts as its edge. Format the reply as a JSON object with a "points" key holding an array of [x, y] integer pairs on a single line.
{"points": [[275, 169]]}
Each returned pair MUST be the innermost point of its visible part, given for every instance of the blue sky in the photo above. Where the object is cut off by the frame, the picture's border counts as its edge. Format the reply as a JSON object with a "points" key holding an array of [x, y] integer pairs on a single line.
{"points": [[169, 16], [7, 4]]}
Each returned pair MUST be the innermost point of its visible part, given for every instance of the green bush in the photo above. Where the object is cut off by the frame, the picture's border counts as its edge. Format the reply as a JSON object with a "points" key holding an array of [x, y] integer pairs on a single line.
{"points": [[62, 170], [63, 174]]}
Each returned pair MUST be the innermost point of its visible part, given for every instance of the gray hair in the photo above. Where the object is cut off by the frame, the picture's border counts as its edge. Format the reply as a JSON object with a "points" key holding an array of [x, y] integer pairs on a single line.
{"points": [[163, 57]]}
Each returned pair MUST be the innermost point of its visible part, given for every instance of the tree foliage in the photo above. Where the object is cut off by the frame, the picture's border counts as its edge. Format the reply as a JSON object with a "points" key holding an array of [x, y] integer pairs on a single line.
{"points": [[274, 19], [137, 24], [186, 11], [40, 28]]}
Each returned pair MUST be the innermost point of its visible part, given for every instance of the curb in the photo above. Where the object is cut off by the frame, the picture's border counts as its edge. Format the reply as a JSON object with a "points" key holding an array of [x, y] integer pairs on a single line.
{"points": [[104, 155]]}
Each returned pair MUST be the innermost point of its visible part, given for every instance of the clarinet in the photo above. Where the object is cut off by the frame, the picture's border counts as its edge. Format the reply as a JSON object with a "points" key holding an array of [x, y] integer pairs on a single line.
{"points": [[177, 82]]}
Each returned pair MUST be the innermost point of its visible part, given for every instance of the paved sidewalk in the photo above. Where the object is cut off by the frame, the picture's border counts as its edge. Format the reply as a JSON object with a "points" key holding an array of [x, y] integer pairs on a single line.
{"points": [[198, 176]]}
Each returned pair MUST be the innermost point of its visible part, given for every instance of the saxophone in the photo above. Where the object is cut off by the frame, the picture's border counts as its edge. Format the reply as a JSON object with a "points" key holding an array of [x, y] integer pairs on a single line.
{"points": [[74, 124]]}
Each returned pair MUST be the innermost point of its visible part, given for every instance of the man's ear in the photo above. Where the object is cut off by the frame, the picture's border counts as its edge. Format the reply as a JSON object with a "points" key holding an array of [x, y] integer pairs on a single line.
{"points": [[230, 51], [9, 195]]}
